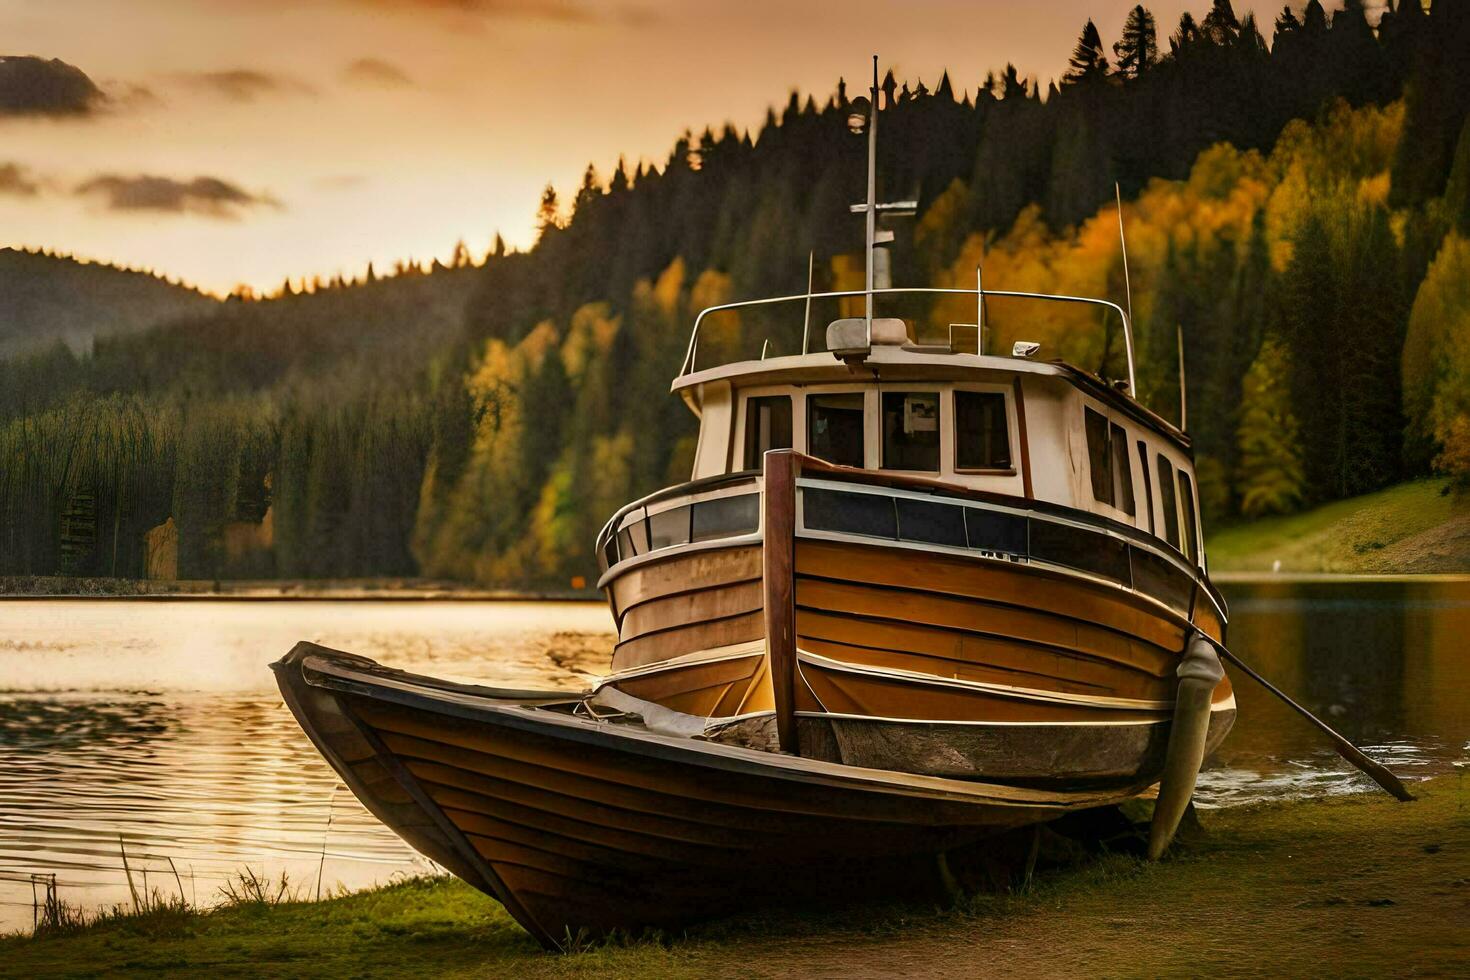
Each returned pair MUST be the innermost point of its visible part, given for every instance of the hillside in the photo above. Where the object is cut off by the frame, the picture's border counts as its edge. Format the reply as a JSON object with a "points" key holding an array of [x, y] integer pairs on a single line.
{"points": [[1416, 527], [1304, 222], [48, 298]]}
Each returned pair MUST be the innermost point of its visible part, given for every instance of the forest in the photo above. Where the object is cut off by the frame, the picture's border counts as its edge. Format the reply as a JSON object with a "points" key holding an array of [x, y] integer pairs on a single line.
{"points": [[1297, 199]]}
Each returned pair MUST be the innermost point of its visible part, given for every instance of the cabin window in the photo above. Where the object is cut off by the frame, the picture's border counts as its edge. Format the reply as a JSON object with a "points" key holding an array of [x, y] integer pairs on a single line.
{"points": [[911, 430], [767, 426], [835, 428], [668, 528], [1088, 551], [982, 435], [1168, 503], [726, 517], [1122, 470], [1099, 456], [1191, 532], [1148, 486], [932, 523], [993, 531], [1107, 462], [870, 514]]}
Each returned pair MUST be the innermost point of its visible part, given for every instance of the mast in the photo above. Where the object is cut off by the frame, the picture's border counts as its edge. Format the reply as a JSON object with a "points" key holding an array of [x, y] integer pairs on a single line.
{"points": [[871, 216]]}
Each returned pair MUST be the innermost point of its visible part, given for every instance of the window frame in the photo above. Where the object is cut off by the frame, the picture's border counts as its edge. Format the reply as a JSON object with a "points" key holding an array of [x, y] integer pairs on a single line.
{"points": [[1190, 527], [944, 416], [951, 433], [1169, 501], [872, 424], [743, 433], [1113, 425]]}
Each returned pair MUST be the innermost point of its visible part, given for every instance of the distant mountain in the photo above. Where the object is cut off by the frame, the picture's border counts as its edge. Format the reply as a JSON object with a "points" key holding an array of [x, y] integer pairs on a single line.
{"points": [[45, 298]]}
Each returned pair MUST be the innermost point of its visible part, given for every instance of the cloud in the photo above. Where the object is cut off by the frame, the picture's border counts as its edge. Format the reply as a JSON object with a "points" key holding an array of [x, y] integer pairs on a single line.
{"points": [[14, 181], [210, 197], [243, 84], [31, 86], [376, 73]]}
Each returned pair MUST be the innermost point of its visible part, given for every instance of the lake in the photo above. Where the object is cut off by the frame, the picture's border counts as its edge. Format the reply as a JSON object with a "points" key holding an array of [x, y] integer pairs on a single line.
{"points": [[154, 726]]}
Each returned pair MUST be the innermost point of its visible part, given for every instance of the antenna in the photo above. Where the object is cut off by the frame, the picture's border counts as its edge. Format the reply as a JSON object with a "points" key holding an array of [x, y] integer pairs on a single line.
{"points": [[806, 320], [1128, 291], [979, 312], [1183, 402], [872, 212]]}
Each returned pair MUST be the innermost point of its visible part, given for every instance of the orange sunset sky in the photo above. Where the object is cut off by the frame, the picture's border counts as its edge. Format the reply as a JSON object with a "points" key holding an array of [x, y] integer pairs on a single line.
{"points": [[247, 141]]}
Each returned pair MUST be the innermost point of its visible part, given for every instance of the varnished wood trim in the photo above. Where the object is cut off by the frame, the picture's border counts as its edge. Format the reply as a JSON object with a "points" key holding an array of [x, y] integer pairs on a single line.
{"points": [[715, 602], [679, 640], [1034, 626], [877, 566], [681, 574], [778, 572], [1025, 444]]}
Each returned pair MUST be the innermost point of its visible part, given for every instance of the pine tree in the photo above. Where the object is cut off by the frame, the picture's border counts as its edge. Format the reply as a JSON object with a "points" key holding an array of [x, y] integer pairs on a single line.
{"points": [[548, 215], [1286, 25], [1185, 36], [1269, 478], [1221, 26], [1314, 19], [1139, 47], [1088, 63]]}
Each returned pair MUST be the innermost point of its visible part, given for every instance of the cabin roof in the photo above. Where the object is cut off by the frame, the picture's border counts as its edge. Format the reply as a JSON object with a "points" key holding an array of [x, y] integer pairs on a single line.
{"points": [[903, 364]]}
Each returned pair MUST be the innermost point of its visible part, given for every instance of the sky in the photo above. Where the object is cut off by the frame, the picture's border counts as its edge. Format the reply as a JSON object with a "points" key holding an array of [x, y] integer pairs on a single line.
{"points": [[232, 142]]}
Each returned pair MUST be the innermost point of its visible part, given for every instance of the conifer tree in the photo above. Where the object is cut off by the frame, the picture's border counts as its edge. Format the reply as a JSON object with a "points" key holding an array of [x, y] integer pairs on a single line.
{"points": [[1269, 477], [1286, 25], [1139, 47], [1088, 63], [1221, 26], [548, 215], [1314, 19], [1185, 36]]}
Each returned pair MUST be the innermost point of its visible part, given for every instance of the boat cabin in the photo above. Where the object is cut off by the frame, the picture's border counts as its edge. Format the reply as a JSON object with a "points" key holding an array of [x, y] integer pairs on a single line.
{"points": [[1034, 430]]}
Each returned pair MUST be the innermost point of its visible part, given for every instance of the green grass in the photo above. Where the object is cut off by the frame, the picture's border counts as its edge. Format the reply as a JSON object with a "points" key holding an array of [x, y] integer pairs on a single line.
{"points": [[1350, 886], [1420, 526]]}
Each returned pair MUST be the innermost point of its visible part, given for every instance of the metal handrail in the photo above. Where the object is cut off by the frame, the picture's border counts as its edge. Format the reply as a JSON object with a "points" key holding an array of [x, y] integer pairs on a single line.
{"points": [[687, 367]]}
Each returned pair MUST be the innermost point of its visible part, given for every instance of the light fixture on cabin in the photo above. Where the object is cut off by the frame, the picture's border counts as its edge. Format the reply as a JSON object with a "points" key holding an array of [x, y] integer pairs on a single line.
{"points": [[857, 114], [1024, 348]]}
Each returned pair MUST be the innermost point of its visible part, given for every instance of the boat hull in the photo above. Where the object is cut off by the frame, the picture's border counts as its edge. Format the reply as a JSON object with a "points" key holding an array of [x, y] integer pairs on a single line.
{"points": [[926, 655], [580, 825]]}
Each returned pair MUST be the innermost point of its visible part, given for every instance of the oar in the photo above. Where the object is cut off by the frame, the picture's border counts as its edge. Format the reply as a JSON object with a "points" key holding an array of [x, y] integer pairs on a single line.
{"points": [[1346, 749]]}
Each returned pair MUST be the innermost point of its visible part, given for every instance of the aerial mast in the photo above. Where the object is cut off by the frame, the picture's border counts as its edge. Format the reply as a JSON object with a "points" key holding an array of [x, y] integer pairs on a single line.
{"points": [[872, 208]]}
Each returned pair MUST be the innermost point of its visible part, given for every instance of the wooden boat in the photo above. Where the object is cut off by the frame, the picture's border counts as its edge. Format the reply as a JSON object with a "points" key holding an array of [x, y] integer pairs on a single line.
{"points": [[911, 596], [584, 821]]}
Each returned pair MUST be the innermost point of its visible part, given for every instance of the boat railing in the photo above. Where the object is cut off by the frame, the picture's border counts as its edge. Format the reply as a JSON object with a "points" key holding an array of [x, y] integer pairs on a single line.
{"points": [[691, 355]]}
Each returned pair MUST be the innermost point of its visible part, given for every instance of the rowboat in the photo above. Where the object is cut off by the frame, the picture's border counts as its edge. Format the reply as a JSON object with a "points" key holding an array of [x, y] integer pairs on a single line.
{"points": [[914, 595], [583, 819]]}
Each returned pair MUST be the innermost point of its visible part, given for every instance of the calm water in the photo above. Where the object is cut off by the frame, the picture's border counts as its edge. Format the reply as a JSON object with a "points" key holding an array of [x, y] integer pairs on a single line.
{"points": [[158, 722]]}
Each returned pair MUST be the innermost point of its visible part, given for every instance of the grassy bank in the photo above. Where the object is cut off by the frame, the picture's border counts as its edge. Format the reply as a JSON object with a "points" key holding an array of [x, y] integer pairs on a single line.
{"points": [[1354, 886], [1417, 527]]}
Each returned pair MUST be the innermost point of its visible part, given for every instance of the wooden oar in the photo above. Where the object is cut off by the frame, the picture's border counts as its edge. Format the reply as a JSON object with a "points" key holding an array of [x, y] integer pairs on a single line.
{"points": [[1346, 749]]}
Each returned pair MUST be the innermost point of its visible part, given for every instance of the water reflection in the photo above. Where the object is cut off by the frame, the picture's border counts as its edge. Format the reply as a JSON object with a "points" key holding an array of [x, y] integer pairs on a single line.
{"points": [[1384, 662], [156, 727], [158, 721]]}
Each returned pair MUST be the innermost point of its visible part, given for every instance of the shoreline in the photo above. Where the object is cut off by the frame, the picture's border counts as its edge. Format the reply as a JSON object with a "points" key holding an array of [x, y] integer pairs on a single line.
{"points": [[413, 591], [1358, 885], [404, 590]]}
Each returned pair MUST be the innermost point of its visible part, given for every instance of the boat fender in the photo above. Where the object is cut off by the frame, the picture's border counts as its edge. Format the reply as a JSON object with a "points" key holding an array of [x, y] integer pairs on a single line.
{"points": [[1199, 673]]}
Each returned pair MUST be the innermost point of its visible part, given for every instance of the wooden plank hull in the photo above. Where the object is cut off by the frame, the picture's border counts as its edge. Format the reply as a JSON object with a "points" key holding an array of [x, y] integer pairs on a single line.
{"points": [[583, 825], [920, 660]]}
